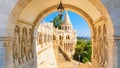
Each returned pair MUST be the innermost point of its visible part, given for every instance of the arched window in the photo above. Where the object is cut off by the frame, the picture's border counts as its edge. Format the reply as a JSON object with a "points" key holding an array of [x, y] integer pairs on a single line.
{"points": [[65, 27], [60, 37], [41, 38], [67, 37], [54, 37]]}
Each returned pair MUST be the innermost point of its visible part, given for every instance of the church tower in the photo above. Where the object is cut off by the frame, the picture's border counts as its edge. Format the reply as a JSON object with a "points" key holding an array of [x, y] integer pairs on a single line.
{"points": [[66, 25]]}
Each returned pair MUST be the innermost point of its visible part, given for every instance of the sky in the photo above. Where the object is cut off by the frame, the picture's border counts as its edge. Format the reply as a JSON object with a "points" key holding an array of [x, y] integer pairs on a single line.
{"points": [[79, 23]]}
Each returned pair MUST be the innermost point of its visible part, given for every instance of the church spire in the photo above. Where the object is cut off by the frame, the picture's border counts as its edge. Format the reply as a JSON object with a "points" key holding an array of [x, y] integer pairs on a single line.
{"points": [[66, 25], [67, 19]]}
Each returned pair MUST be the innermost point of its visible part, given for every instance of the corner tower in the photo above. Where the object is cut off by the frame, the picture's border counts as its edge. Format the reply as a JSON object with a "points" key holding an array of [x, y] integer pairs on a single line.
{"points": [[66, 25]]}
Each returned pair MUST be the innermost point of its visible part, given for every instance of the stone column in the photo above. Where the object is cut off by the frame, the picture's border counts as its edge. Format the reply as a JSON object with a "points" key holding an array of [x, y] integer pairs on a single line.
{"points": [[93, 44]]}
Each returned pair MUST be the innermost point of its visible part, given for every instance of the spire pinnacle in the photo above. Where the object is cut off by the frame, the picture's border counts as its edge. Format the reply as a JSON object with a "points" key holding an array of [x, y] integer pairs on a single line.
{"points": [[67, 19]]}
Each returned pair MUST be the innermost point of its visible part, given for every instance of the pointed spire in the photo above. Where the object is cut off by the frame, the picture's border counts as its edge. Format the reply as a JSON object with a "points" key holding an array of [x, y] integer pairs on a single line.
{"points": [[67, 19]]}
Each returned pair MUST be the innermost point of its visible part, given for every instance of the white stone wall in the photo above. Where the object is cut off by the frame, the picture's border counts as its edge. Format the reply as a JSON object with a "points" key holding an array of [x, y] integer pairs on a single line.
{"points": [[45, 52]]}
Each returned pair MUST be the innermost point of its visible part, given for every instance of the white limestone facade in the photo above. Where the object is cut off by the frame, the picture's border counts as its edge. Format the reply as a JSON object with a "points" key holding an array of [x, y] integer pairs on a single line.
{"points": [[44, 46], [24, 14], [67, 36]]}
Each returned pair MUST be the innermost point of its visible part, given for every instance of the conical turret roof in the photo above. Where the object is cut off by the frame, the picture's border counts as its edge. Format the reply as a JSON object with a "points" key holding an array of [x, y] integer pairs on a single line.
{"points": [[66, 19]]}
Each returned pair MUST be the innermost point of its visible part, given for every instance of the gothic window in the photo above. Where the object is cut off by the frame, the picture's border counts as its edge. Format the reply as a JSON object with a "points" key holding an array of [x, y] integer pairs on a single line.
{"points": [[53, 37], [65, 27], [67, 37], [60, 38], [40, 38]]}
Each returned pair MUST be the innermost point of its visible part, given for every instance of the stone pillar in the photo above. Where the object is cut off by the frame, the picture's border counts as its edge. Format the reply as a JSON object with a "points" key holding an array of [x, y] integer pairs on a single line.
{"points": [[93, 44]]}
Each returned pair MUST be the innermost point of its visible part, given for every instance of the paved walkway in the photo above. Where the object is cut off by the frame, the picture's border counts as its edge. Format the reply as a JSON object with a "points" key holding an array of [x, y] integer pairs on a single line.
{"points": [[62, 62]]}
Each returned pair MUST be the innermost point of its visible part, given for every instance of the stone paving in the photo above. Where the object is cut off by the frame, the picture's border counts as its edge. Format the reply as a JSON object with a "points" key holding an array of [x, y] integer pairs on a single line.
{"points": [[62, 62]]}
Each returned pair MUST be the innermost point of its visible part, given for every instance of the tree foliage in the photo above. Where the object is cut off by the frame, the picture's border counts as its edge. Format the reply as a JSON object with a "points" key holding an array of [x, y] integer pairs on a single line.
{"points": [[57, 21], [84, 49]]}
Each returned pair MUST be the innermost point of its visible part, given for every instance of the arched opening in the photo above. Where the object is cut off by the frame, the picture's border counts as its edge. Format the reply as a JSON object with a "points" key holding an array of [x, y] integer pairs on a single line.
{"points": [[87, 18], [66, 46], [92, 21]]}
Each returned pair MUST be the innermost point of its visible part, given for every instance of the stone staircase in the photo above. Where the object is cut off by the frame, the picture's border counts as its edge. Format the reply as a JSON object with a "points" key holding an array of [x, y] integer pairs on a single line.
{"points": [[62, 62]]}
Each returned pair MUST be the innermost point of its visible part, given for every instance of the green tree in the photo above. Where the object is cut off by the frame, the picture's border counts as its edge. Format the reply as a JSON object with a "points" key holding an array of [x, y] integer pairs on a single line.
{"points": [[84, 49], [57, 21]]}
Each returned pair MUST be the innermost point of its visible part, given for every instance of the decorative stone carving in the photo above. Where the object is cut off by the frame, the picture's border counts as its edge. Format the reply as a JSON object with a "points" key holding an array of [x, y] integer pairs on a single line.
{"points": [[105, 62], [30, 40], [101, 46], [29, 48], [94, 46], [16, 43], [24, 44]]}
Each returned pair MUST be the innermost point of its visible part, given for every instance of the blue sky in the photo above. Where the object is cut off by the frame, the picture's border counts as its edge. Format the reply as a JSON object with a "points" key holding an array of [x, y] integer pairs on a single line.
{"points": [[77, 21]]}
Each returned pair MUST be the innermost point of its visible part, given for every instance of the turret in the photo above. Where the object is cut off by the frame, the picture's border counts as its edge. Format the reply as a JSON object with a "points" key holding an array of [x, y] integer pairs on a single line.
{"points": [[66, 25]]}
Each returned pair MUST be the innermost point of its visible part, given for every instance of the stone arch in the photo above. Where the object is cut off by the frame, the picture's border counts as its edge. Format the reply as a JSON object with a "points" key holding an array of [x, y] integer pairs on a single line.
{"points": [[67, 7], [78, 10], [36, 21]]}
